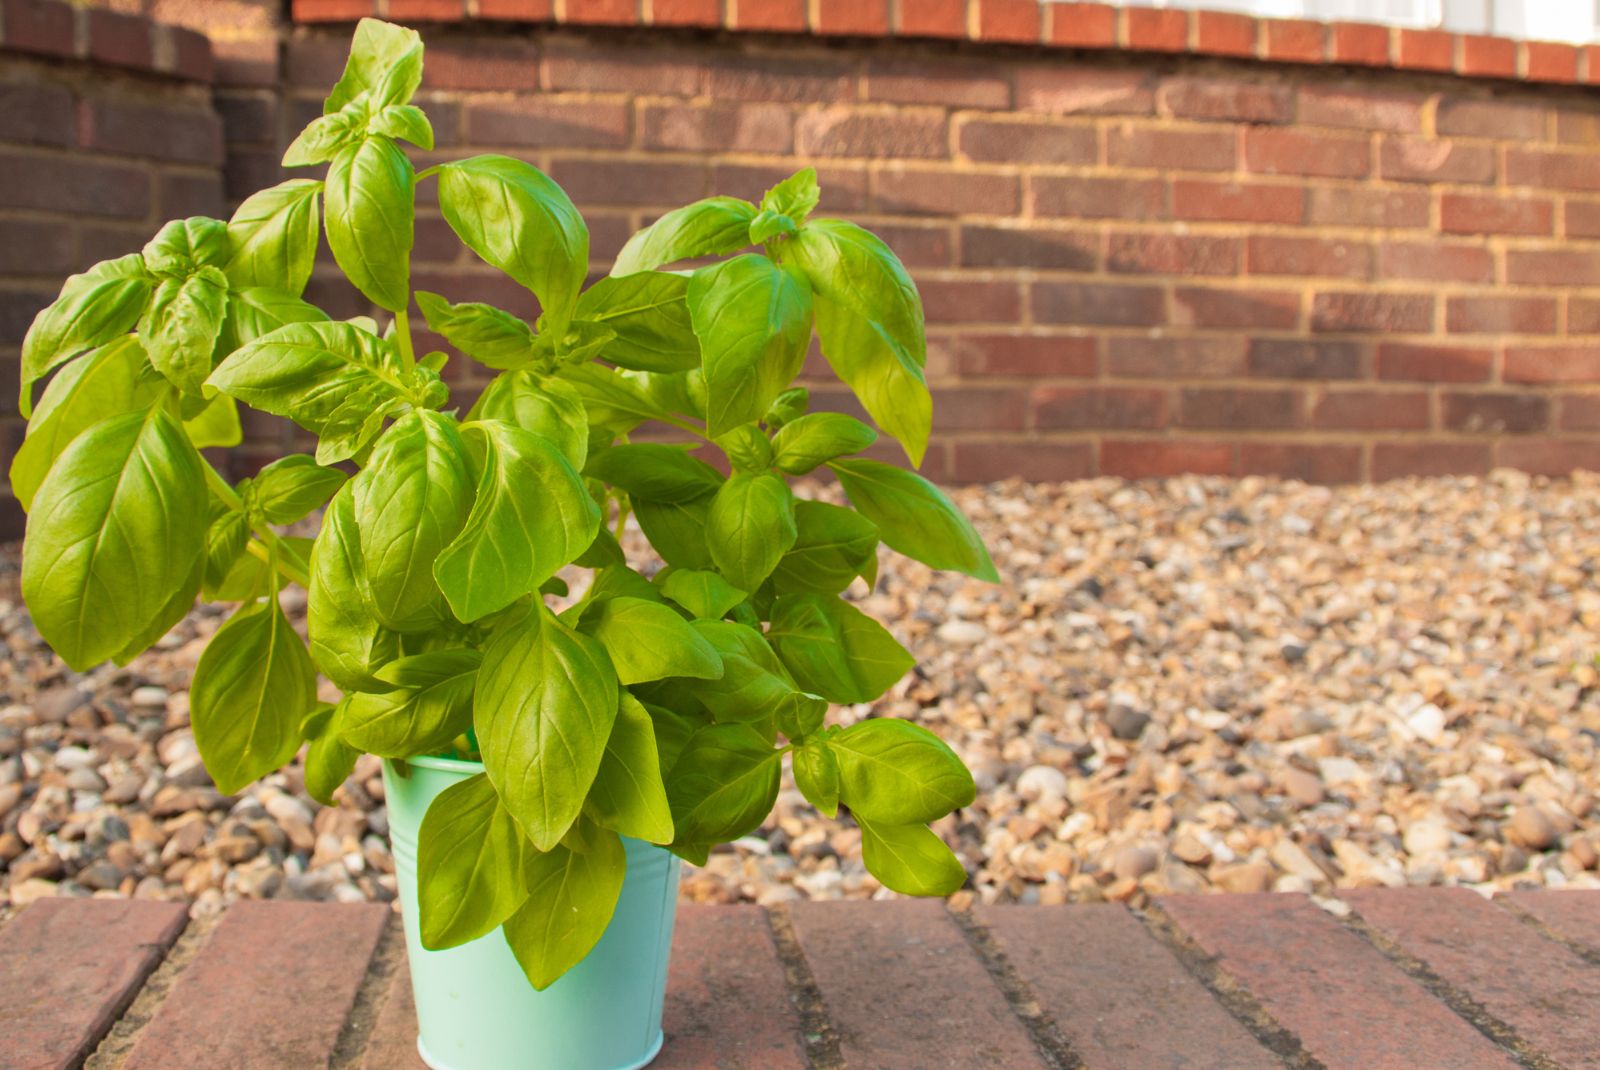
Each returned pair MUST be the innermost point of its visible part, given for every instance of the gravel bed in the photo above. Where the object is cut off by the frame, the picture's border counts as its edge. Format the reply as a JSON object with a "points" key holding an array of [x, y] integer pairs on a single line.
{"points": [[1183, 686]]}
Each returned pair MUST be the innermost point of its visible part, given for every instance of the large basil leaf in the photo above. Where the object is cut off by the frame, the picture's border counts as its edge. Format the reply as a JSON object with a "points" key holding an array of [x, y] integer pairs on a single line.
{"points": [[469, 865], [705, 594], [750, 528], [347, 642], [835, 650], [483, 332], [272, 238], [545, 703], [93, 308], [183, 247], [832, 546], [516, 218], [544, 405], [116, 533], [652, 472], [722, 786], [677, 530], [649, 641], [650, 316], [816, 774], [531, 516], [754, 687], [613, 400], [673, 729], [628, 794], [252, 687], [753, 320], [572, 893], [910, 859], [370, 219], [899, 773], [289, 488], [711, 227], [181, 326], [258, 311], [217, 424], [385, 66], [914, 517], [329, 760], [869, 317], [802, 444], [411, 501], [430, 706]]}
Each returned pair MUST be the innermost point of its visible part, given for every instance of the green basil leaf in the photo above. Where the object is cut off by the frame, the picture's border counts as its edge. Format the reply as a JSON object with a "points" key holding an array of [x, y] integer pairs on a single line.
{"points": [[411, 501], [516, 218], [181, 326], [723, 785], [788, 407], [385, 65], [754, 687], [257, 311], [483, 332], [650, 315], [832, 546], [673, 730], [324, 138], [252, 687], [93, 308], [750, 528], [816, 774], [653, 472], [705, 594], [915, 517], [810, 440], [620, 581], [753, 320], [226, 540], [369, 214], [405, 122], [910, 859], [572, 893], [546, 406], [531, 517], [116, 533], [176, 608], [834, 650], [677, 530], [469, 865], [629, 795], [711, 227], [768, 225], [272, 238], [869, 317], [899, 773], [289, 488], [353, 425], [183, 246], [545, 703], [306, 371], [329, 760], [347, 642], [613, 400], [649, 641], [430, 706], [215, 425], [795, 197]]}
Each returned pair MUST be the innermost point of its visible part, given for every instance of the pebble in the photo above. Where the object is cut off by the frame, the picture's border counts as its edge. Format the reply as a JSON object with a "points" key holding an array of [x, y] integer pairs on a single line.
{"points": [[1531, 827]]}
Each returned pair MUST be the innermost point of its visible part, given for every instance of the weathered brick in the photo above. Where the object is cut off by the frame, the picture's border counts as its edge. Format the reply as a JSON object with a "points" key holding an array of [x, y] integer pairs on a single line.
{"points": [[1276, 254], [716, 128], [1495, 412], [1143, 356], [1581, 219], [1394, 460], [1562, 267], [1157, 30], [1490, 118], [1010, 21], [1158, 458], [120, 40], [426, 10], [654, 72], [631, 181], [187, 135], [1551, 169], [1426, 50], [1296, 152], [903, 190], [1025, 356], [932, 18], [1483, 56], [1239, 408], [1238, 202], [1073, 25], [1030, 246], [926, 80], [989, 141], [1557, 457], [1302, 358], [791, 79], [1583, 315], [1163, 148], [73, 185], [1172, 254], [35, 247], [501, 64], [987, 460], [859, 18], [1574, 914], [548, 121], [703, 13], [38, 26], [1436, 260], [1063, 90], [180, 194], [1371, 410], [1552, 364], [1390, 111], [1500, 315], [1362, 44], [36, 113], [1577, 127], [17, 309], [971, 301], [1230, 309], [1320, 462], [917, 245], [1223, 33], [985, 408], [1412, 159], [1294, 40], [1226, 99], [898, 134], [784, 15], [392, 1044], [1433, 363], [1352, 206], [1098, 198], [1549, 61], [1097, 303], [1077, 408], [1365, 311]]}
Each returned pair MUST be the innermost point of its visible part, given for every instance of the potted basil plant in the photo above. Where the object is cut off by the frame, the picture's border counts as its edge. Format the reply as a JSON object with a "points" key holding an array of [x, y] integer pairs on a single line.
{"points": [[546, 767]]}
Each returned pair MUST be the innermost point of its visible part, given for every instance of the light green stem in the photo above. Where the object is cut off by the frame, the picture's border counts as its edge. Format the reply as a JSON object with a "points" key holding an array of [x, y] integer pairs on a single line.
{"points": [[289, 563]]}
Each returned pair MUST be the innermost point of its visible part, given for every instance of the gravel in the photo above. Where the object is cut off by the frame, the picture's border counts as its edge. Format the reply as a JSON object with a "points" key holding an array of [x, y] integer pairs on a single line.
{"points": [[1182, 686]]}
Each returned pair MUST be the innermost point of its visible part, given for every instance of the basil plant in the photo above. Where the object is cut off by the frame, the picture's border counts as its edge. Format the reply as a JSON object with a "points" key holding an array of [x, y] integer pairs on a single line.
{"points": [[657, 706]]}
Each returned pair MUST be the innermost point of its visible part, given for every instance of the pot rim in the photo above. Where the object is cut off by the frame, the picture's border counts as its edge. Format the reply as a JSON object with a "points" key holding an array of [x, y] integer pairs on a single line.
{"points": [[445, 765]]}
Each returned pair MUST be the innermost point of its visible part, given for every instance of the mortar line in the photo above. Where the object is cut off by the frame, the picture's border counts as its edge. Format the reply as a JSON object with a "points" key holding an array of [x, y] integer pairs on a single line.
{"points": [[120, 1039], [1589, 953], [1052, 1045], [388, 958], [817, 1035]]}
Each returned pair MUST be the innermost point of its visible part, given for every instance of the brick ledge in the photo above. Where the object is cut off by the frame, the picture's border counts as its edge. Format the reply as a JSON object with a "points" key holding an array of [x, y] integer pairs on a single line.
{"points": [[58, 30]]}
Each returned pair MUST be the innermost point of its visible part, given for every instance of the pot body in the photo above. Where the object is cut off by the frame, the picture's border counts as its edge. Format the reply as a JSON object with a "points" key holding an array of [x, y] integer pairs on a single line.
{"points": [[475, 1007]]}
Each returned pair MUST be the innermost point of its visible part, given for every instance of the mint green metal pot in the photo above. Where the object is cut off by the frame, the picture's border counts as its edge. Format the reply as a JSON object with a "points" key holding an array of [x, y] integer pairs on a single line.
{"points": [[476, 1009]]}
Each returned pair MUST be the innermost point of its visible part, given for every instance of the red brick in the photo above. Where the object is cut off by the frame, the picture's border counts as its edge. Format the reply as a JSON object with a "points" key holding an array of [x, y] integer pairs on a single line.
{"points": [[971, 301], [1081, 25], [500, 64], [1470, 213], [1499, 119], [1552, 364], [600, 12], [1172, 254], [1362, 207], [392, 1044], [1231, 309], [933, 18], [901, 190], [903, 988], [1439, 261], [1030, 246], [1590, 64], [1065, 90], [1304, 358], [1162, 148], [17, 309], [72, 968], [1551, 170], [1549, 61], [1077, 408], [1361, 44], [1583, 315], [180, 135], [42, 26], [1012, 21], [39, 247], [1296, 152], [1158, 458], [1319, 462], [925, 80], [1371, 410], [983, 408], [60, 184], [1487, 57], [36, 113], [1500, 315], [1434, 364], [1575, 915], [1357, 109], [703, 13], [427, 10], [1033, 459], [1365, 311], [1395, 460], [1274, 254], [1354, 1010], [572, 65], [1553, 267], [1026, 356], [897, 134], [1185, 357], [919, 246], [1406, 159], [120, 40], [1223, 99], [1294, 40], [631, 181], [1240, 202], [763, 128], [1426, 50], [858, 18], [548, 120], [1099, 198], [333, 10], [1495, 413], [1223, 33], [783, 15], [1239, 409], [218, 1014], [1102, 304], [1578, 127], [1028, 142], [1157, 30], [1549, 456]]}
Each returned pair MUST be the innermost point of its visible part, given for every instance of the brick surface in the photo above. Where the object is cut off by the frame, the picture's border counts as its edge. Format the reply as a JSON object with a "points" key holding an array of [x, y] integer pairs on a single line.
{"points": [[1114, 992], [71, 967], [1156, 459], [1037, 459], [1575, 915], [392, 1044], [904, 989], [1353, 1010], [307, 962]]}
